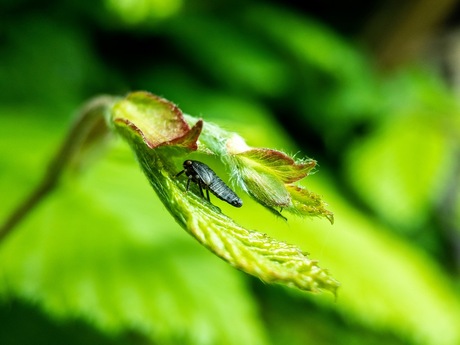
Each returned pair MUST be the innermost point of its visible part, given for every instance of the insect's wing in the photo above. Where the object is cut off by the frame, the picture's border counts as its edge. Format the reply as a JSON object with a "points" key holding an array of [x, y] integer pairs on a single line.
{"points": [[208, 180], [204, 172]]}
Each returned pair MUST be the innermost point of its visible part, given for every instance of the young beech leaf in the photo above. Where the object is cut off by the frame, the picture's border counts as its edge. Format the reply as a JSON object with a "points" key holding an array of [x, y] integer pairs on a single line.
{"points": [[277, 163], [157, 121], [161, 139], [265, 174], [308, 203]]}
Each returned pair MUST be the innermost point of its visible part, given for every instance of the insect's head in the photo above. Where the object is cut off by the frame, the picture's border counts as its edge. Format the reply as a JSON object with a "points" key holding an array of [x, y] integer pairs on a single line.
{"points": [[237, 203], [187, 163]]}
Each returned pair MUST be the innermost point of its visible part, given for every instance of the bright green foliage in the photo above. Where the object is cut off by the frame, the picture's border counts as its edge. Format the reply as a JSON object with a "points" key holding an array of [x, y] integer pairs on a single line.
{"points": [[150, 278], [267, 175], [102, 247], [133, 12], [161, 147], [414, 168], [388, 282], [276, 163]]}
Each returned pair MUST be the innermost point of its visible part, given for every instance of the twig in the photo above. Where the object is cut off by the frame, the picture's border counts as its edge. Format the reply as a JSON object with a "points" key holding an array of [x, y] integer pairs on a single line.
{"points": [[89, 121]]}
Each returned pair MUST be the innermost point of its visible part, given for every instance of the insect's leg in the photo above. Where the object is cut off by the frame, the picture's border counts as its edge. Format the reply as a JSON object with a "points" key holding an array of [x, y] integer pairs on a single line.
{"points": [[207, 195], [188, 184], [201, 188], [179, 173]]}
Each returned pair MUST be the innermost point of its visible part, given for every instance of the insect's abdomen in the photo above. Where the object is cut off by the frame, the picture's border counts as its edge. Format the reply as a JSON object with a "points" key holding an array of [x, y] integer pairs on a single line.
{"points": [[223, 192]]}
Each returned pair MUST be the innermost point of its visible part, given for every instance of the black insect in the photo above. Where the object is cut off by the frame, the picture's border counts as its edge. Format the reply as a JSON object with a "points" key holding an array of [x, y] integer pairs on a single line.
{"points": [[207, 179]]}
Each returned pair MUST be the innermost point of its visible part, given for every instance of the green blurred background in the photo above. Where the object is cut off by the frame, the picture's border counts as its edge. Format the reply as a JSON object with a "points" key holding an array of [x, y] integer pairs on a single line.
{"points": [[369, 89]]}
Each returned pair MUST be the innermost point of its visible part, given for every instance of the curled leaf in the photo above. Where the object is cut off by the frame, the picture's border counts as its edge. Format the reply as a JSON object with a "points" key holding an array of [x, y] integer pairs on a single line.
{"points": [[157, 121], [266, 188], [161, 139], [277, 163], [308, 203], [266, 175]]}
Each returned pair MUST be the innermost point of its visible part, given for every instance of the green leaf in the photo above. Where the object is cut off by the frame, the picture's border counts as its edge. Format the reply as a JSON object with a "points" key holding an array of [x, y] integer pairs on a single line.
{"points": [[308, 203], [167, 128], [387, 283], [277, 163], [240, 61], [102, 248], [263, 173], [267, 175], [400, 169], [250, 251]]}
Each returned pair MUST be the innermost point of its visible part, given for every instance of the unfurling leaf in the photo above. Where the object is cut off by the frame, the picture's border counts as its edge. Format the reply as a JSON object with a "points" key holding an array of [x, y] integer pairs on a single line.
{"points": [[263, 173], [161, 138], [277, 163], [308, 203], [267, 175], [157, 121]]}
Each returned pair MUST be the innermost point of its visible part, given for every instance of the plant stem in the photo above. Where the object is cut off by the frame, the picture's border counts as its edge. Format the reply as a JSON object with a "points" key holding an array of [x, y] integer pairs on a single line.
{"points": [[90, 124]]}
